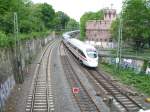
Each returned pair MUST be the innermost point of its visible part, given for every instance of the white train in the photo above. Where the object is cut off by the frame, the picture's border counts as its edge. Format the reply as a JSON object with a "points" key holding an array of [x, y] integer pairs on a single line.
{"points": [[70, 34], [85, 53], [144, 110]]}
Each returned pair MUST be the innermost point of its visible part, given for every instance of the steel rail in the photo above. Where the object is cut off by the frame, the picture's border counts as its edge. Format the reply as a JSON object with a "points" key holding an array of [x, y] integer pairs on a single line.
{"points": [[114, 90], [83, 99], [106, 83], [35, 79]]}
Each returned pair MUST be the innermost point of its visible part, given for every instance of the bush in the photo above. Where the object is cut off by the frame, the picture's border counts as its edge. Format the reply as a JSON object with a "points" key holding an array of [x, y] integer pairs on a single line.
{"points": [[9, 40], [139, 81], [34, 35], [5, 41]]}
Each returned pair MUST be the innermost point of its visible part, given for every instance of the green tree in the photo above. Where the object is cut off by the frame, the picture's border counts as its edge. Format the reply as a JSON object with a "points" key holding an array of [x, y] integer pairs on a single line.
{"points": [[136, 23], [60, 21], [57, 21], [114, 28], [47, 14], [33, 19], [64, 19], [72, 25], [7, 9]]}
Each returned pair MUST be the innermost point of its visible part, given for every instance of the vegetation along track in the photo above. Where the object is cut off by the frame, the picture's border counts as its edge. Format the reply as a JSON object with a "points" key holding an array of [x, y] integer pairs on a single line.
{"points": [[123, 100], [82, 98], [40, 96]]}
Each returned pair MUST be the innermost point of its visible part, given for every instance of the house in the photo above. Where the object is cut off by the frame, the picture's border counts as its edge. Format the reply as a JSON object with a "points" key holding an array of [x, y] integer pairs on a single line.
{"points": [[98, 31]]}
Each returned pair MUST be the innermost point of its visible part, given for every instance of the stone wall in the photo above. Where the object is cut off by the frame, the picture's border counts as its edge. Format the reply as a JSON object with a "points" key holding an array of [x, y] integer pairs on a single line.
{"points": [[29, 49]]}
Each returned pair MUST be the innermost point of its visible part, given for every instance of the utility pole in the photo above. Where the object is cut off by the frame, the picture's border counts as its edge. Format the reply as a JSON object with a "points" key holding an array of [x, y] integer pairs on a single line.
{"points": [[118, 49], [120, 55], [17, 58], [119, 45]]}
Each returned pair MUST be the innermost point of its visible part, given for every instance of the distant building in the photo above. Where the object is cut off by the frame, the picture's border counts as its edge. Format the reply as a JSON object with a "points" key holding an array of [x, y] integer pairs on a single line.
{"points": [[97, 31]]}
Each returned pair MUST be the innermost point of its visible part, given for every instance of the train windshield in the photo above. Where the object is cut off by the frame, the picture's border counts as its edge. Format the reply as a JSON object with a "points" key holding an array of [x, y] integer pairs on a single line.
{"points": [[91, 53]]}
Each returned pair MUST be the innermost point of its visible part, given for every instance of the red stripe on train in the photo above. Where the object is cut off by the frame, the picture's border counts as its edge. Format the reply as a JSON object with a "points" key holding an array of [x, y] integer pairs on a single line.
{"points": [[83, 58]]}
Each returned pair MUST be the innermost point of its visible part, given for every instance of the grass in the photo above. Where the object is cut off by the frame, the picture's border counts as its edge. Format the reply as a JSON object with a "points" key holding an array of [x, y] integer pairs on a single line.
{"points": [[127, 76]]}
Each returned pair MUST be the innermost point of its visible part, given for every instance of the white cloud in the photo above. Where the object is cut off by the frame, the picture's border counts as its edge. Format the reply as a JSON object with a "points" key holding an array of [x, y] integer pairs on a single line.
{"points": [[76, 8]]}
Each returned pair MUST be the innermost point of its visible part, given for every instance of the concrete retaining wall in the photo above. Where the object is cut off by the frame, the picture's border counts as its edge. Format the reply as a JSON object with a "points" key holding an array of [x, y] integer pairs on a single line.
{"points": [[29, 49], [5, 89]]}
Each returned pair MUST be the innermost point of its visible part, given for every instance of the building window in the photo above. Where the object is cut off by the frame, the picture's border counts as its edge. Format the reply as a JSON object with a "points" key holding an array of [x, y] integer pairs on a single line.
{"points": [[109, 15], [110, 40], [114, 14]]}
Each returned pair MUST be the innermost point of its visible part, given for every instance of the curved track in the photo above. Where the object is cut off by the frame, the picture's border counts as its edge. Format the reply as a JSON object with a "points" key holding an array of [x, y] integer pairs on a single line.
{"points": [[122, 100], [82, 98], [39, 98]]}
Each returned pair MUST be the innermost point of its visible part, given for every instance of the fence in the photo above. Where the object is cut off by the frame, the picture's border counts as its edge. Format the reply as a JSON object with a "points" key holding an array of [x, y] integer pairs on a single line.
{"points": [[135, 65]]}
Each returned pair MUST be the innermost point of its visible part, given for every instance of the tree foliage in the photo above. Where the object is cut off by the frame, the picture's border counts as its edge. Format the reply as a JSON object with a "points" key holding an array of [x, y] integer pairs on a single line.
{"points": [[136, 22], [72, 25], [47, 14], [114, 28], [60, 21], [33, 19], [89, 16], [64, 18], [4, 40]]}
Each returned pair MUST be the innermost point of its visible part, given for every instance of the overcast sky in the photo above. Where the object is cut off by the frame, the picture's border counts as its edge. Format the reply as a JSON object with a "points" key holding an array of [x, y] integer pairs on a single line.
{"points": [[76, 8]]}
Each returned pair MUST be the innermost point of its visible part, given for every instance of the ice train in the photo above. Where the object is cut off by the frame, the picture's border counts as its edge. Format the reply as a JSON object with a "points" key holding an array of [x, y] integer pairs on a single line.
{"points": [[85, 53]]}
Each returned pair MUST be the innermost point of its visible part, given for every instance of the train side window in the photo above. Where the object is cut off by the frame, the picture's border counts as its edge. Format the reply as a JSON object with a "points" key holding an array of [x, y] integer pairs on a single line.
{"points": [[81, 53], [74, 47]]}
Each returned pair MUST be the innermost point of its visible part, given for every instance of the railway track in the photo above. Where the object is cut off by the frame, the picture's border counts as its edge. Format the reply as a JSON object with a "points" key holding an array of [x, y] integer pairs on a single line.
{"points": [[40, 96], [82, 98], [123, 100]]}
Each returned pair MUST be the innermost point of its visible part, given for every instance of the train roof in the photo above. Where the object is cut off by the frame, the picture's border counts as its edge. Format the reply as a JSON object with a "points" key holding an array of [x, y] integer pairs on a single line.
{"points": [[144, 110], [67, 34], [81, 45], [71, 32]]}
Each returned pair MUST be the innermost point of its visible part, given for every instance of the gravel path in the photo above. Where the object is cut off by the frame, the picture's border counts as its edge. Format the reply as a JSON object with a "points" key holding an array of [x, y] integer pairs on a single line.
{"points": [[64, 101]]}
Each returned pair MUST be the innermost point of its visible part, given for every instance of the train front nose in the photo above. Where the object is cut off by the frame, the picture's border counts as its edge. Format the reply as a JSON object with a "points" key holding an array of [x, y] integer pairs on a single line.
{"points": [[93, 62]]}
